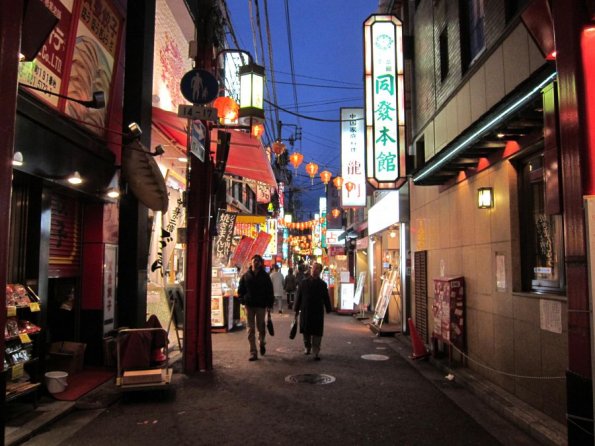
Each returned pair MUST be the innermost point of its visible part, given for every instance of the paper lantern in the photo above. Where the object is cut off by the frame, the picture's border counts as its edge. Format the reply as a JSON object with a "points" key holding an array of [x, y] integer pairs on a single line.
{"points": [[335, 213], [278, 147], [296, 159], [349, 186], [257, 130], [338, 182], [312, 169], [227, 109]]}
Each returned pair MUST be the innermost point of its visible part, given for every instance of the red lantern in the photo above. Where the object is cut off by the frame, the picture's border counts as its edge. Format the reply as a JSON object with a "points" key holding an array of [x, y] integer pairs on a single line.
{"points": [[338, 182], [257, 130], [312, 169], [349, 186], [335, 213], [296, 159], [325, 177], [227, 108], [278, 147]]}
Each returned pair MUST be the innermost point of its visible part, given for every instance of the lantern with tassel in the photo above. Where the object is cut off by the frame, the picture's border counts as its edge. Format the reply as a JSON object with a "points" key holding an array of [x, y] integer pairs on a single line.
{"points": [[296, 159], [325, 177], [312, 169]]}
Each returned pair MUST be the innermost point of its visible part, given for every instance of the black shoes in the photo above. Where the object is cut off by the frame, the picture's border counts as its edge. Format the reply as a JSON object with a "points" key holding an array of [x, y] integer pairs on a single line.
{"points": [[262, 350], [306, 351], [253, 358]]}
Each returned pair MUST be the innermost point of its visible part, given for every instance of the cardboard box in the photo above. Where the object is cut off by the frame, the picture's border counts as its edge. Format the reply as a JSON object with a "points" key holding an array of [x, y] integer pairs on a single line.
{"points": [[142, 376], [67, 356]]}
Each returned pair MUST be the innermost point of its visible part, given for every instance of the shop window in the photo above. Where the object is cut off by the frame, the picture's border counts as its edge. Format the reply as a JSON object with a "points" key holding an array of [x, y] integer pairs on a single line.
{"points": [[472, 31], [542, 253]]}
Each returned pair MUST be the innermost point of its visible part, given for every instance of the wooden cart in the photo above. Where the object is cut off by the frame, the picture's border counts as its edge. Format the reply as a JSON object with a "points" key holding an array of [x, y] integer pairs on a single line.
{"points": [[152, 378]]}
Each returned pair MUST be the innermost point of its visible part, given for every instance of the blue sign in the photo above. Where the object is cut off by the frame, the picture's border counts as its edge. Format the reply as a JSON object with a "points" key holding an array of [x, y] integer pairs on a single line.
{"points": [[199, 86]]}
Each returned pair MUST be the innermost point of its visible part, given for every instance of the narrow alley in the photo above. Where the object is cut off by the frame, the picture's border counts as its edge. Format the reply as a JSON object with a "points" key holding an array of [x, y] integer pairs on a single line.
{"points": [[363, 391]]}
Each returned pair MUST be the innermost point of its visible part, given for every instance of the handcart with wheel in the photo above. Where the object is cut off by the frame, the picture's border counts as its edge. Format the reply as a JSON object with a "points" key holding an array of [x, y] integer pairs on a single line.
{"points": [[143, 375]]}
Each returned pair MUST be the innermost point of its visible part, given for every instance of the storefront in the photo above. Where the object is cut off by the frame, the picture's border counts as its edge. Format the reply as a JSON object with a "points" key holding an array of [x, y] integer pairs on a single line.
{"points": [[63, 253], [387, 255]]}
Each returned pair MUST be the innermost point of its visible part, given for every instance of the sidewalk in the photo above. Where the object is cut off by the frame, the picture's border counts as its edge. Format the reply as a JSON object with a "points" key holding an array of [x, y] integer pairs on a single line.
{"points": [[542, 428]]}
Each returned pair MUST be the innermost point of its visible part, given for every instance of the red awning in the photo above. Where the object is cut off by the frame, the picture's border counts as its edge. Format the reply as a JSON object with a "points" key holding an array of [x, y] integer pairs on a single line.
{"points": [[247, 157]]}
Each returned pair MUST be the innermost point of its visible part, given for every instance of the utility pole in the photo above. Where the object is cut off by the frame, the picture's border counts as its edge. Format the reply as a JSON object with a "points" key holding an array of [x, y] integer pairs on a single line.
{"points": [[198, 351]]}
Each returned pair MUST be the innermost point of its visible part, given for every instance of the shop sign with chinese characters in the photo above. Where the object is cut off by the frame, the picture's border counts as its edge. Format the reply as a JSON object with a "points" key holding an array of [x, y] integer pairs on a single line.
{"points": [[385, 104], [352, 157]]}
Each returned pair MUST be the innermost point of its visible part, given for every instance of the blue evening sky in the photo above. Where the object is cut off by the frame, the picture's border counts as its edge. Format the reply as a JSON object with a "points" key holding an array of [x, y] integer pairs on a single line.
{"points": [[327, 45]]}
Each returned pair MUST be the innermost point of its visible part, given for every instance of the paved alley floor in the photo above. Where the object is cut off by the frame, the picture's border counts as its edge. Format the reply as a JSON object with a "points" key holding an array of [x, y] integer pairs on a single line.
{"points": [[362, 392]]}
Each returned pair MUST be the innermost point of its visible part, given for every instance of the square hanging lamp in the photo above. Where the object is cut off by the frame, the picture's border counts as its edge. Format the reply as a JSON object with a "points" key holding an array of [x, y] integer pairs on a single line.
{"points": [[251, 91]]}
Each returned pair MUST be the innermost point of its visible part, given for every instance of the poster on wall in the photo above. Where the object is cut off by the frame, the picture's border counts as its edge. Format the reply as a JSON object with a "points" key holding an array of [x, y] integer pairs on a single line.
{"points": [[217, 317], [386, 291], [110, 273], [260, 244]]}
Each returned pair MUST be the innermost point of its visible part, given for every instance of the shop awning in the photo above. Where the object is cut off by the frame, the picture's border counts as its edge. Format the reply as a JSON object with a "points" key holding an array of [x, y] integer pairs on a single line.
{"points": [[247, 157]]}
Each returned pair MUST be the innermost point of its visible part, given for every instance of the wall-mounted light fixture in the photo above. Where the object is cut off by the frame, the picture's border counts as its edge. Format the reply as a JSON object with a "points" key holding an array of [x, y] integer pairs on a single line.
{"points": [[251, 91], [17, 159], [98, 100], [485, 198]]}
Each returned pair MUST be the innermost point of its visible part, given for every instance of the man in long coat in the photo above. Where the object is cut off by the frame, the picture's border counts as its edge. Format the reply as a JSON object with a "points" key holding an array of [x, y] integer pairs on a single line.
{"points": [[311, 301]]}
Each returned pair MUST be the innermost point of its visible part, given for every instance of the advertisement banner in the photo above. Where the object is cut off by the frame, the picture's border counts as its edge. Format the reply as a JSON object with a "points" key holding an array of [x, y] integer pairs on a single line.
{"points": [[242, 251], [225, 226], [260, 244]]}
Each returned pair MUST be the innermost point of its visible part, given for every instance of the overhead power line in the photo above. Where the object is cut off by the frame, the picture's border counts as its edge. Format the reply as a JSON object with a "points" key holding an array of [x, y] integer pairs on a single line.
{"points": [[311, 118]]}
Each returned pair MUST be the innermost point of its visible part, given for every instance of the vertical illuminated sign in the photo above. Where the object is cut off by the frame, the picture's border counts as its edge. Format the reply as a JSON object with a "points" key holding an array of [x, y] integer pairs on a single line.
{"points": [[353, 153], [385, 104]]}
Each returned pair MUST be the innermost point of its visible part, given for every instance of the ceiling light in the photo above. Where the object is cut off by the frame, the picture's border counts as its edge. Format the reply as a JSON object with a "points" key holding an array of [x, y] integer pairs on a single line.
{"points": [[183, 159], [17, 159], [75, 178], [500, 135], [113, 192]]}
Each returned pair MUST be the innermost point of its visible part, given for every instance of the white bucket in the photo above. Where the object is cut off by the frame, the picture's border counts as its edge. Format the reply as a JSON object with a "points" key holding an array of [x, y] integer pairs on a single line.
{"points": [[56, 382]]}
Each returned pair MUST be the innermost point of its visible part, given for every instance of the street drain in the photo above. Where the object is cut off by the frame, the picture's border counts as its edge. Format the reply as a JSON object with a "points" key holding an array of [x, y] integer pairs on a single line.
{"points": [[375, 357], [310, 378]]}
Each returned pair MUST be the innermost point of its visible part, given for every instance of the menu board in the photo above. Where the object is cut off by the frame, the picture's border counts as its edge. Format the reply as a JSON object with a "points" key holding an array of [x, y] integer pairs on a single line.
{"points": [[360, 288], [386, 291]]}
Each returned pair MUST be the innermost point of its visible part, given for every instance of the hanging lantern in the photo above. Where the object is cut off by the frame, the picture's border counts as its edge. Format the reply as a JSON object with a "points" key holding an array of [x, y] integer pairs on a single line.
{"points": [[349, 186], [312, 169], [296, 159], [335, 213], [257, 130], [278, 147], [251, 91], [325, 177], [227, 109], [338, 182]]}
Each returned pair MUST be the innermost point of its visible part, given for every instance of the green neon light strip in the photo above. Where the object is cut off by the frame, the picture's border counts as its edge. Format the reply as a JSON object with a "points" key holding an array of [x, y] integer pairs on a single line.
{"points": [[471, 138]]}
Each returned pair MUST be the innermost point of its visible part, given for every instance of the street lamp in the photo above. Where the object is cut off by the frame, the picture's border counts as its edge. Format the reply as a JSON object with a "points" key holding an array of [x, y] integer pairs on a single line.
{"points": [[251, 91]]}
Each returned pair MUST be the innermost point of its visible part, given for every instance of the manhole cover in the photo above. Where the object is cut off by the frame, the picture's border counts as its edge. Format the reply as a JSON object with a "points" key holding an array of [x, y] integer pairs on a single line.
{"points": [[310, 378], [375, 357]]}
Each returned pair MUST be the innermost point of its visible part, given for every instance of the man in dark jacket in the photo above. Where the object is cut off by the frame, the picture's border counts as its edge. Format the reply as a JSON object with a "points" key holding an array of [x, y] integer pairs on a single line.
{"points": [[311, 301], [256, 293], [290, 286]]}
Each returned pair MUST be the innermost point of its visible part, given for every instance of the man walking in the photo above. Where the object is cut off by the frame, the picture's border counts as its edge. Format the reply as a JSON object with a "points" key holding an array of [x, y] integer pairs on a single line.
{"points": [[311, 301], [256, 293], [290, 286]]}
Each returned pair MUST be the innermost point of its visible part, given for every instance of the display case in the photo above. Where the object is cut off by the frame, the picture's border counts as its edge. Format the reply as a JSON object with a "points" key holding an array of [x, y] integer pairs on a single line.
{"points": [[22, 341], [226, 312]]}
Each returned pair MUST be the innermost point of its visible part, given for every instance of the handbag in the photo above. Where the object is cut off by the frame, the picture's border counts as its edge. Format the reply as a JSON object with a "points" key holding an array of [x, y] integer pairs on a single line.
{"points": [[293, 328], [270, 327]]}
